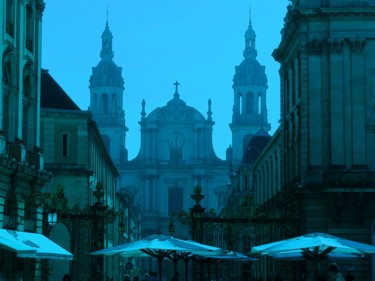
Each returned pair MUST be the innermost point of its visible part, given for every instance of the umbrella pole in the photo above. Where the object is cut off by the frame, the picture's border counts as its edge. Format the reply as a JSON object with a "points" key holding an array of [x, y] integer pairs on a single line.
{"points": [[316, 269], [175, 266], [187, 269], [160, 260]]}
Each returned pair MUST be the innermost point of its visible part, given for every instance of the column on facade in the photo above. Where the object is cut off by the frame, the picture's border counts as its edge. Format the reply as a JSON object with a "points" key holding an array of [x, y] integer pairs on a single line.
{"points": [[146, 194], [347, 107], [152, 193], [358, 102], [198, 141], [337, 103], [276, 172], [266, 179], [314, 63]]}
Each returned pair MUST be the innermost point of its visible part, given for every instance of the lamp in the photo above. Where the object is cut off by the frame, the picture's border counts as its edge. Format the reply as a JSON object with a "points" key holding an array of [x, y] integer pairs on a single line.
{"points": [[171, 228], [99, 193], [52, 218], [121, 228]]}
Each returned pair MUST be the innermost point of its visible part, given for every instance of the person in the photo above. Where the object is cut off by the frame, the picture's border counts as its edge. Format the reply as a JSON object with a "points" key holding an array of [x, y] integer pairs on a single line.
{"points": [[333, 271], [67, 278], [349, 276], [126, 277], [146, 277], [135, 278], [153, 276], [278, 277]]}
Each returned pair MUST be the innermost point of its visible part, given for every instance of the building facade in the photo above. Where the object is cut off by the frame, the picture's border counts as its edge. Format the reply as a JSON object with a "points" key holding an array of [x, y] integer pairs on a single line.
{"points": [[319, 166], [91, 210], [22, 170], [176, 152]]}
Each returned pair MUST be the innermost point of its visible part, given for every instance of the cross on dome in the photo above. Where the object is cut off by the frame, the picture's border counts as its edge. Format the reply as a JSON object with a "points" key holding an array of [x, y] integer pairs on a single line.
{"points": [[176, 94]]}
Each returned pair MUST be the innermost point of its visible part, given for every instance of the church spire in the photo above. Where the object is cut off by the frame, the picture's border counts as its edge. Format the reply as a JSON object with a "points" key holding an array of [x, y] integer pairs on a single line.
{"points": [[250, 50], [107, 52]]}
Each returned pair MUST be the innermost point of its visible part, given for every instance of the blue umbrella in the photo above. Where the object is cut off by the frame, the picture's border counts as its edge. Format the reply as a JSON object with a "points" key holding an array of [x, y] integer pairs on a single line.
{"points": [[314, 247]]}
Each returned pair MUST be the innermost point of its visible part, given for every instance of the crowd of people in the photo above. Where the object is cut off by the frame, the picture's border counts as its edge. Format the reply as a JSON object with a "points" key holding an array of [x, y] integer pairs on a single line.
{"points": [[151, 276], [333, 275]]}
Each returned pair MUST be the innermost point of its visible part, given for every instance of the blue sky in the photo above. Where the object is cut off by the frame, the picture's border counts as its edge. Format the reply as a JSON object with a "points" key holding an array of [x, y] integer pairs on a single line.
{"points": [[197, 42]]}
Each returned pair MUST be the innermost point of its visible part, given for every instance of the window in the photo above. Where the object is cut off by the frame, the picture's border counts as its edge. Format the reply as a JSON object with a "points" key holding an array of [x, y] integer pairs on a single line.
{"points": [[104, 104], [10, 17], [6, 91], [175, 200], [65, 144], [29, 28], [26, 120], [10, 211], [249, 103], [259, 104]]}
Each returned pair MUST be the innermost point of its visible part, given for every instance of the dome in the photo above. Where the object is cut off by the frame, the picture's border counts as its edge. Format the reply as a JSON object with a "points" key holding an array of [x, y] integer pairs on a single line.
{"points": [[176, 111], [250, 33], [250, 71], [255, 147], [106, 73]]}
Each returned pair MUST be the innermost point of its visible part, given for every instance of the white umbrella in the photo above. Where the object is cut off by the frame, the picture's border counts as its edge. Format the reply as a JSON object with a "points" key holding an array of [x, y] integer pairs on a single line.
{"points": [[159, 247], [314, 247], [308, 243], [32, 245]]}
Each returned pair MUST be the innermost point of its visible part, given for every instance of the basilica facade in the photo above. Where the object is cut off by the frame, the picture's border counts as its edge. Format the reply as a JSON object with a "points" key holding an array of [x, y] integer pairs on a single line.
{"points": [[176, 151]]}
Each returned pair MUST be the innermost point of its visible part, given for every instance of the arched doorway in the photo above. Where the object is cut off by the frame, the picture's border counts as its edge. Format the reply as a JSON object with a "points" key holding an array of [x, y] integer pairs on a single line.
{"points": [[60, 235]]}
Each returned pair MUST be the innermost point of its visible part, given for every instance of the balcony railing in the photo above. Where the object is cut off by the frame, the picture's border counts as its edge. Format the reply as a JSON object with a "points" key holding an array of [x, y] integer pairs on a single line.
{"points": [[17, 152]]}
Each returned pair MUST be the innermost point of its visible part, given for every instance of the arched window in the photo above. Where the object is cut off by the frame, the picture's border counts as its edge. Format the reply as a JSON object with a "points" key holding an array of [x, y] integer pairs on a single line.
{"points": [[259, 104], [104, 104], [249, 103], [175, 199], [10, 211]]}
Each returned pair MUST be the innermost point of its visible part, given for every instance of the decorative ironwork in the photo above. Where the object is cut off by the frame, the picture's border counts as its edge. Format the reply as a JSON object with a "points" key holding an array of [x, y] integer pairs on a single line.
{"points": [[261, 225], [349, 179], [86, 227]]}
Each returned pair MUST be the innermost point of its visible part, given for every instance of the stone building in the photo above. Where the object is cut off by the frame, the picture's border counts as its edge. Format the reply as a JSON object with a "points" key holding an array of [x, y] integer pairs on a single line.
{"points": [[176, 152], [86, 208], [22, 169], [319, 167]]}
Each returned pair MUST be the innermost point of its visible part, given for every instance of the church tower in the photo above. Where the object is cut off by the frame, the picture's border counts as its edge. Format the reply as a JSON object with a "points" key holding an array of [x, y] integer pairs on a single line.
{"points": [[249, 108], [106, 100]]}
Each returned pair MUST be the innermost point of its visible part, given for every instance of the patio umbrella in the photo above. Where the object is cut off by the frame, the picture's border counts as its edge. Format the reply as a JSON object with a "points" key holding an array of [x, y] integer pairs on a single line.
{"points": [[315, 247], [159, 247], [32, 245]]}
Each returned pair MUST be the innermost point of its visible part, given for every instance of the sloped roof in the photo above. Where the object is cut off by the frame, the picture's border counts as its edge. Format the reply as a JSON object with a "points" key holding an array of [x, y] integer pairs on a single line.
{"points": [[53, 96], [255, 147]]}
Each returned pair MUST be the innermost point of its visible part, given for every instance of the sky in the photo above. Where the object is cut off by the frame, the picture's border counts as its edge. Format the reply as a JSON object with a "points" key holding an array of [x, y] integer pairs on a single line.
{"points": [[197, 43]]}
